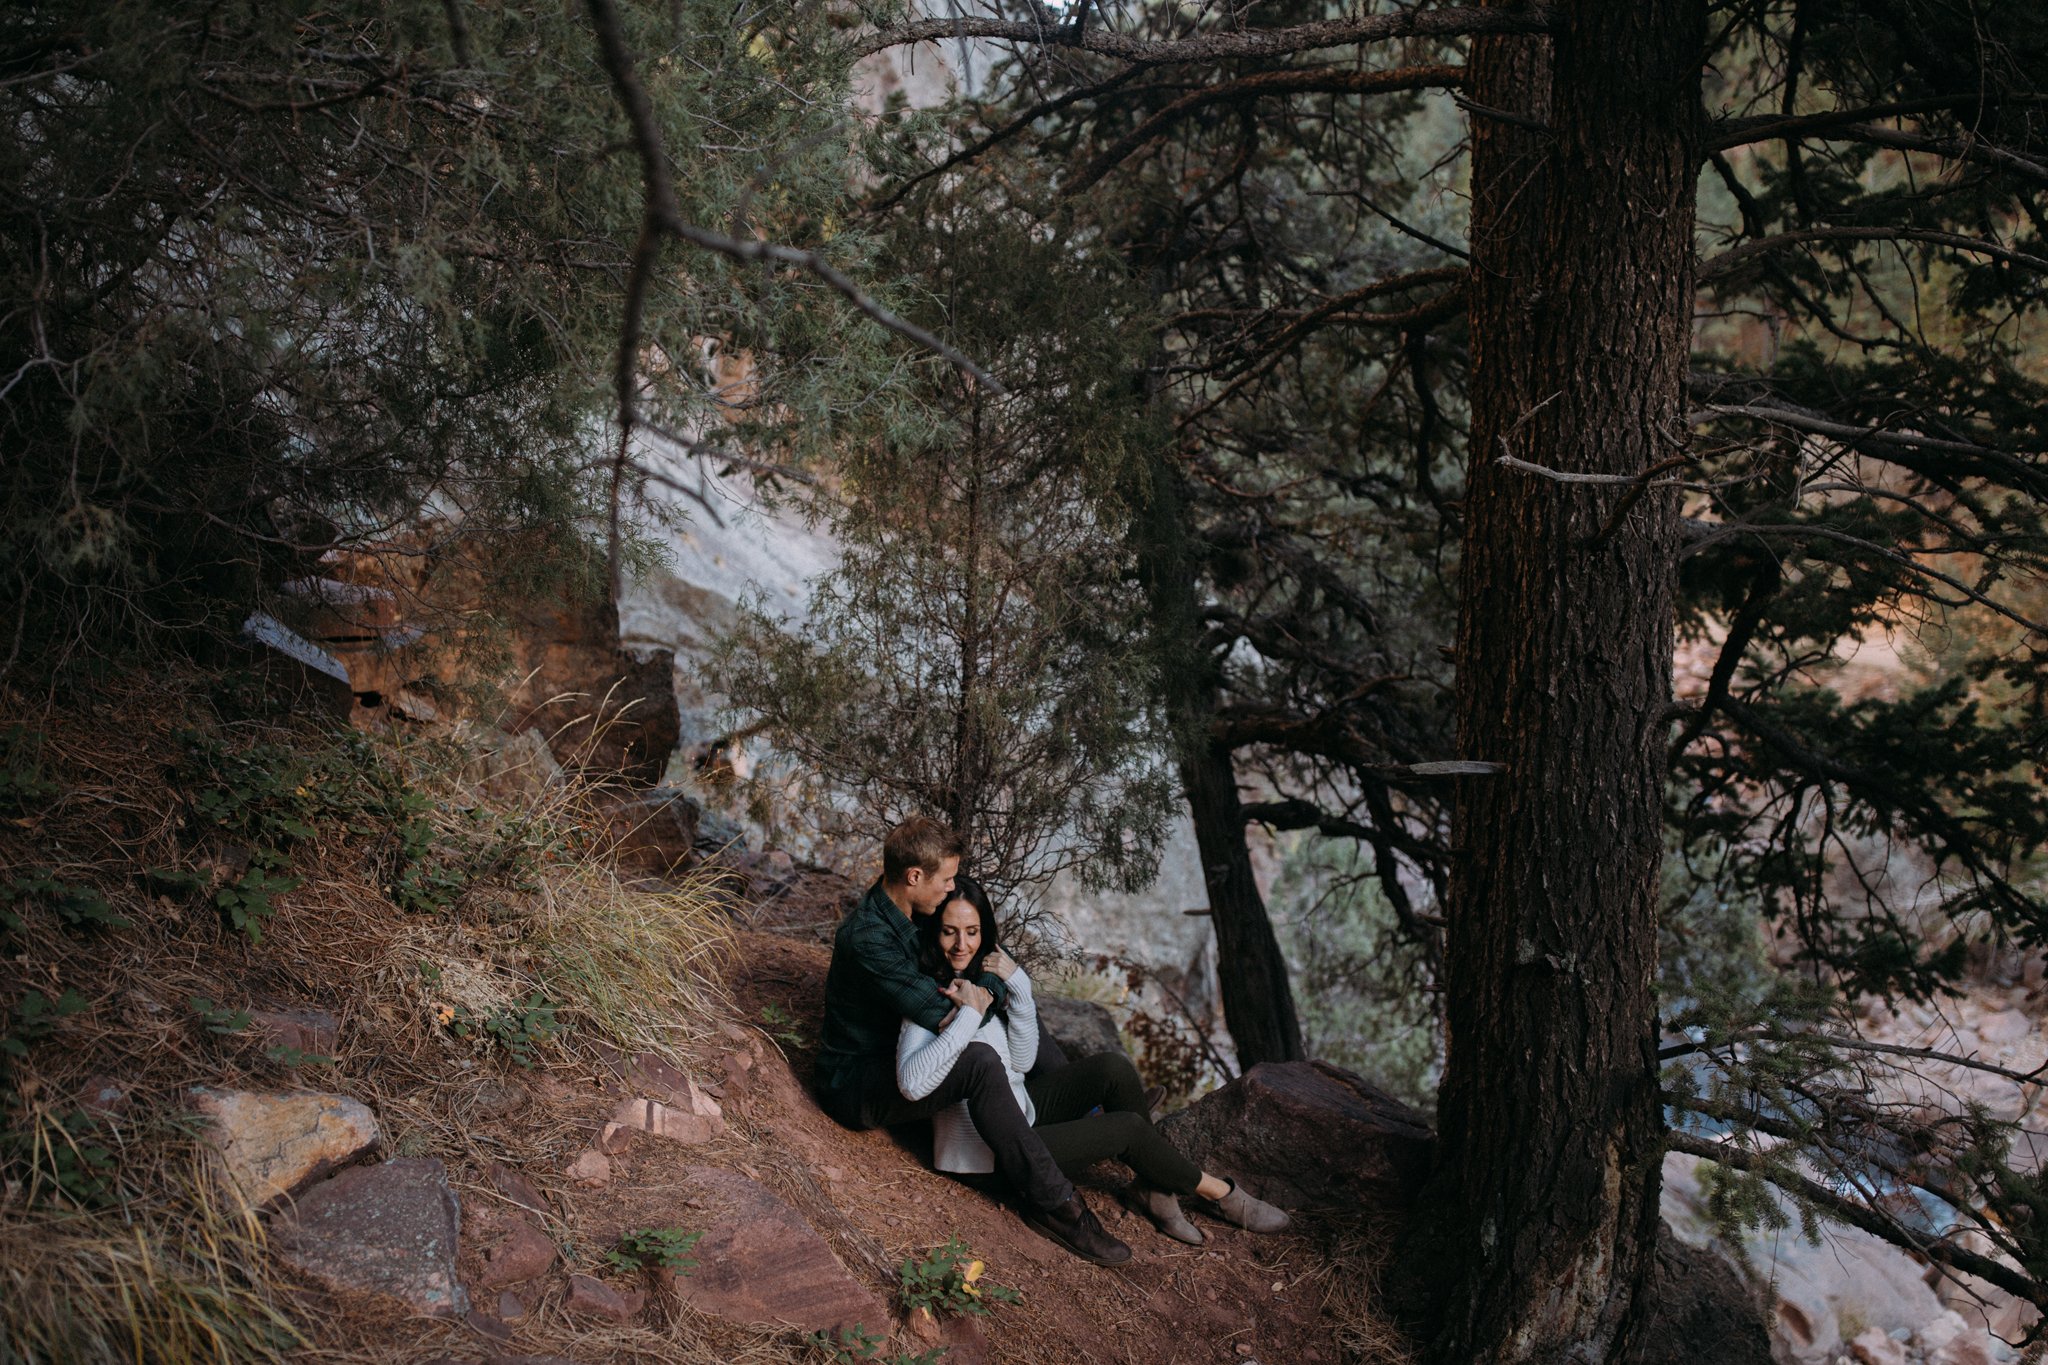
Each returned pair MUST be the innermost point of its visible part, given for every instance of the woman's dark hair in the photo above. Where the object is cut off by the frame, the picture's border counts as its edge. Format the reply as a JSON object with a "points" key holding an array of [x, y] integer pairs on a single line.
{"points": [[930, 958]]}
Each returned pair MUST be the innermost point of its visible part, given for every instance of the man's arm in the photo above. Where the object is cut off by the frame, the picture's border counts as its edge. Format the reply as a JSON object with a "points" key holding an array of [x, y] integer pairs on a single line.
{"points": [[909, 992]]}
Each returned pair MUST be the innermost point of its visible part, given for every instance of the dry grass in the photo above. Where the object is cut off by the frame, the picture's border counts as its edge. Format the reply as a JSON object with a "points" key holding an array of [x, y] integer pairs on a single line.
{"points": [[159, 1270]]}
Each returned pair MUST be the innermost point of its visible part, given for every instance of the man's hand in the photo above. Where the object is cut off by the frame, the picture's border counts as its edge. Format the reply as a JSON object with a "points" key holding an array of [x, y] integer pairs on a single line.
{"points": [[969, 996], [1001, 963]]}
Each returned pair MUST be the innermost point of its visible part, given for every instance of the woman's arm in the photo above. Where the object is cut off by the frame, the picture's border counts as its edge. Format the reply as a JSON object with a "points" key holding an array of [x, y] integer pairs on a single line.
{"points": [[1021, 1023], [924, 1058]]}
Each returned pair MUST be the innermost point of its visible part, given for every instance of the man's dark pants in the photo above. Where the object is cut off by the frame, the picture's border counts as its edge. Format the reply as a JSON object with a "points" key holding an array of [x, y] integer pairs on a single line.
{"points": [[871, 1099]]}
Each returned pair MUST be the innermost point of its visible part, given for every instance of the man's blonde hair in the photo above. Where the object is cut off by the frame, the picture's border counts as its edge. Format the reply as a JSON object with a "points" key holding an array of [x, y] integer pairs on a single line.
{"points": [[918, 842]]}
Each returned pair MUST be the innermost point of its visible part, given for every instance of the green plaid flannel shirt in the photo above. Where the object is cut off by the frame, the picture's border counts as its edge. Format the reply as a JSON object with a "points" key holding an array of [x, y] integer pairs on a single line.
{"points": [[873, 986]]}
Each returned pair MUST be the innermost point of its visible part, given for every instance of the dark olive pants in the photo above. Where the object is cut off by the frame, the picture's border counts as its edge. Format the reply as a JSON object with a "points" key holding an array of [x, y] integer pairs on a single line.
{"points": [[1076, 1139]]}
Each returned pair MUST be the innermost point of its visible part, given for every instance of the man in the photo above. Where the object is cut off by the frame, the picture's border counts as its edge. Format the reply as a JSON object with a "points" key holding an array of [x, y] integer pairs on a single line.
{"points": [[874, 985]]}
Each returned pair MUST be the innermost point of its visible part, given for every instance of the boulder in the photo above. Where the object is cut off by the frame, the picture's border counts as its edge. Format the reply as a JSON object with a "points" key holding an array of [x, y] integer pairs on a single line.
{"points": [[760, 1262], [271, 1147], [1081, 1028], [386, 1229], [2005, 1026], [1875, 1346], [655, 831], [653, 1077], [1302, 1134], [1705, 1314]]}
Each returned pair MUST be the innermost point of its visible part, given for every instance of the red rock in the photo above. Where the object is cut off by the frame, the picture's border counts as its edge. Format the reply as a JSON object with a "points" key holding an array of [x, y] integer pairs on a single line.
{"points": [[104, 1097], [613, 1139], [1308, 1133], [965, 1342], [520, 1252], [487, 1325], [603, 712], [387, 1229], [311, 1031], [590, 1170], [677, 1125], [595, 1299], [655, 831], [518, 1188], [760, 1262], [510, 1307], [656, 1079]]}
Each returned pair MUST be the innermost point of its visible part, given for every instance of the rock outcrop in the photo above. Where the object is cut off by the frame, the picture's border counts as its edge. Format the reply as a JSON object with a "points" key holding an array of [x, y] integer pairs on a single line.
{"points": [[1082, 1028], [1308, 1134], [388, 1229], [760, 1262], [271, 1147]]}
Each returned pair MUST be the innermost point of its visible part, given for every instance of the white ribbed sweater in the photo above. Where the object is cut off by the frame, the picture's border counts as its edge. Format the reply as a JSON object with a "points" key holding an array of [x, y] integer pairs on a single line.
{"points": [[924, 1059]]}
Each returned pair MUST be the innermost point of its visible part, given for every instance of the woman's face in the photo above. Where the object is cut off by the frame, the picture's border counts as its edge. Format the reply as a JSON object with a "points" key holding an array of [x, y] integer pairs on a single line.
{"points": [[959, 933]]}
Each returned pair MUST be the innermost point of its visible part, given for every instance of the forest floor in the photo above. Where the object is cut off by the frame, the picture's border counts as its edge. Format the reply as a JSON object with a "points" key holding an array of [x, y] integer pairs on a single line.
{"points": [[419, 896]]}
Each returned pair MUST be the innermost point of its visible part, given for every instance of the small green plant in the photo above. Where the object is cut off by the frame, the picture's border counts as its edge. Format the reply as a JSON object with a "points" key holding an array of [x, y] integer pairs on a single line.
{"points": [[36, 1016], [856, 1345], [245, 903], [23, 787], [518, 1030], [667, 1248], [782, 1024], [53, 1156], [292, 1056], [948, 1280], [219, 1018], [80, 907]]}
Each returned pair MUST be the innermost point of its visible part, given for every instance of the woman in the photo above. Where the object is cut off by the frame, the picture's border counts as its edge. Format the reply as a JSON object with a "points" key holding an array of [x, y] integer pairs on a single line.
{"points": [[958, 944]]}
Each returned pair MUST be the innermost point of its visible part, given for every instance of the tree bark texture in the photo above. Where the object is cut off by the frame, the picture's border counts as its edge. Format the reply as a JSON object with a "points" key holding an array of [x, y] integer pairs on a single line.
{"points": [[1545, 1198], [1258, 998]]}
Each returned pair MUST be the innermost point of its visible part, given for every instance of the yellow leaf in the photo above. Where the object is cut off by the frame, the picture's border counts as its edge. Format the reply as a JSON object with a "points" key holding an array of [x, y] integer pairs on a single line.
{"points": [[974, 1272]]}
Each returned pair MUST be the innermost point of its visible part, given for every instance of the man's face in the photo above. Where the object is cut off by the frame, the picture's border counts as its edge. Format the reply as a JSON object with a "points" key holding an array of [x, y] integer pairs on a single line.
{"points": [[928, 890]]}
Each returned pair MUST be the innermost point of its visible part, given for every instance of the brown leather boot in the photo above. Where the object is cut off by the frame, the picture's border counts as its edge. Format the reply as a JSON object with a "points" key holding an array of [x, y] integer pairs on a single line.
{"points": [[1073, 1227]]}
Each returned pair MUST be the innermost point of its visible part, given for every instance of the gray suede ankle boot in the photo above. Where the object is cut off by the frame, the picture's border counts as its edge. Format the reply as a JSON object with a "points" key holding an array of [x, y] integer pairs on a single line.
{"points": [[1164, 1211], [1253, 1215]]}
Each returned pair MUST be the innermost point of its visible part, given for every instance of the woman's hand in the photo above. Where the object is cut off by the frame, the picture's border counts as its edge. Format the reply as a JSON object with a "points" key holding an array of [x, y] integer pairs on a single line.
{"points": [[969, 996], [1001, 963]]}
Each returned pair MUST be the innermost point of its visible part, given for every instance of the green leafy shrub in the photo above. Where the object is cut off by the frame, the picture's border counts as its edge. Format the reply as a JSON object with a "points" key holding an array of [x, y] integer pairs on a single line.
{"points": [[667, 1248], [782, 1024], [948, 1280], [35, 1018], [80, 907], [245, 904], [856, 1345], [219, 1018], [23, 787], [517, 1030]]}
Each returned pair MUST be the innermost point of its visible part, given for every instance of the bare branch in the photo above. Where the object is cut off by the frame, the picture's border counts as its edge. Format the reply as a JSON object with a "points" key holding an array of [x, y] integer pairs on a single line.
{"points": [[1279, 42], [1728, 260], [1737, 132]]}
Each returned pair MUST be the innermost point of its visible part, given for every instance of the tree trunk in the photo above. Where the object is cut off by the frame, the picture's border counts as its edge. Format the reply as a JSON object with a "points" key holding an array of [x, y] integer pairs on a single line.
{"points": [[1258, 998], [1544, 1204]]}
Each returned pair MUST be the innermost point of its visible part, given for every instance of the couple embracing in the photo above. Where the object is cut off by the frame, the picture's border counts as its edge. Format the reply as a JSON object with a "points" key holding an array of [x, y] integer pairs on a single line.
{"points": [[927, 1017]]}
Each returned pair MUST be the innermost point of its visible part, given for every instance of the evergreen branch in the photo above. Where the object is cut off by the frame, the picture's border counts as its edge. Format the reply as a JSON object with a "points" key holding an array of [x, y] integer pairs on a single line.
{"points": [[664, 213], [1006, 132], [1728, 260], [1860, 1216], [1256, 87], [1279, 42]]}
